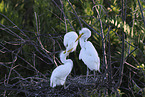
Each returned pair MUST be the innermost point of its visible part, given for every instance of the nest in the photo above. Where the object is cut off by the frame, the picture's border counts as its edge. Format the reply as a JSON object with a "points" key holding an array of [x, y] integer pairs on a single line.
{"points": [[36, 86]]}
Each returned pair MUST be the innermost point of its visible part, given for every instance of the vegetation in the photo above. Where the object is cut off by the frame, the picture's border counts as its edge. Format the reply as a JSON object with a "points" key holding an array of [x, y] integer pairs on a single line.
{"points": [[31, 38]]}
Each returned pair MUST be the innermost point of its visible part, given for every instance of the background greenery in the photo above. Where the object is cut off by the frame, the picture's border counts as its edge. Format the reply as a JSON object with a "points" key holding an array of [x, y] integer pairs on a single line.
{"points": [[31, 38]]}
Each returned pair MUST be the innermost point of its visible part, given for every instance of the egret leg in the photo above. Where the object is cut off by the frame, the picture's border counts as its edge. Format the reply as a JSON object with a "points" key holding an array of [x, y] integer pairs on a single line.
{"points": [[95, 78], [64, 86], [94, 74], [87, 74]]}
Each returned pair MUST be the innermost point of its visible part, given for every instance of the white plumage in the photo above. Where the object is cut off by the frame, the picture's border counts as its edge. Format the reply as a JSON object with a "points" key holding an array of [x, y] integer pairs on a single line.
{"points": [[88, 53], [69, 41], [60, 73], [90, 56]]}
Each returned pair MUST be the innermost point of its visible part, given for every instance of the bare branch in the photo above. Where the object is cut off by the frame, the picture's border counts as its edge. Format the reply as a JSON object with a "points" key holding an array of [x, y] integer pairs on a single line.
{"points": [[37, 34]]}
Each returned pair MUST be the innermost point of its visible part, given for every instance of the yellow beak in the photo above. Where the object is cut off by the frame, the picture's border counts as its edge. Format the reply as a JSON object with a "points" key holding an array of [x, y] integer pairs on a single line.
{"points": [[68, 51], [79, 37]]}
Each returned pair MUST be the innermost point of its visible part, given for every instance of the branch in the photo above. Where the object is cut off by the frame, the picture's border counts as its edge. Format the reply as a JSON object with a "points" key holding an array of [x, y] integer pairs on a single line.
{"points": [[122, 53], [37, 34], [75, 13], [64, 15], [141, 12]]}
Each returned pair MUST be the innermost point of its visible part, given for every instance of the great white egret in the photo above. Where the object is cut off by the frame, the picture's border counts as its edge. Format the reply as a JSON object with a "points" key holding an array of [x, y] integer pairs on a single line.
{"points": [[88, 53], [60, 73], [69, 41]]}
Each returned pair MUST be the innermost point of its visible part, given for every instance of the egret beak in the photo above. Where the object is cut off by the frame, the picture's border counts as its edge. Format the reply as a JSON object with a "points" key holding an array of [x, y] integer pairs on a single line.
{"points": [[70, 50], [79, 37]]}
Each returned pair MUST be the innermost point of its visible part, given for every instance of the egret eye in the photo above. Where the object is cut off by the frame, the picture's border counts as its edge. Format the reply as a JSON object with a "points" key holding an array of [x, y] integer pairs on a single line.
{"points": [[64, 52]]}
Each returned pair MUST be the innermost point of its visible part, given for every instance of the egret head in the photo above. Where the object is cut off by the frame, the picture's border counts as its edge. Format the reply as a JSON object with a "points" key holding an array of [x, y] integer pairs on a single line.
{"points": [[84, 33], [69, 38], [69, 41]]}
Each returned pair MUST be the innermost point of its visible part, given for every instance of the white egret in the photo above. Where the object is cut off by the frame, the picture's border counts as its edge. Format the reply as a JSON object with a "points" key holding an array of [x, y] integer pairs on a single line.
{"points": [[69, 41], [60, 73], [88, 53]]}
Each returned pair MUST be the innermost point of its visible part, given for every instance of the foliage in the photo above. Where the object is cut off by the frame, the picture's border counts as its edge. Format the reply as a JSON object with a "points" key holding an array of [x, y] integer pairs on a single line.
{"points": [[32, 37]]}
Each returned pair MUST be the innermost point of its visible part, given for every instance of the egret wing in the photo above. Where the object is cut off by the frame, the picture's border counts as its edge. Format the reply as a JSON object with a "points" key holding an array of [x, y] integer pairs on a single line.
{"points": [[90, 57], [60, 74]]}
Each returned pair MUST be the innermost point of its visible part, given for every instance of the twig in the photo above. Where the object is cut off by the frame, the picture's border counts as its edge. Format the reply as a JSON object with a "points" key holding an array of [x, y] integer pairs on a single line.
{"points": [[11, 32], [131, 65], [64, 15], [15, 25], [122, 53], [141, 12], [103, 47], [90, 27], [24, 60], [38, 38], [75, 13], [109, 58]]}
